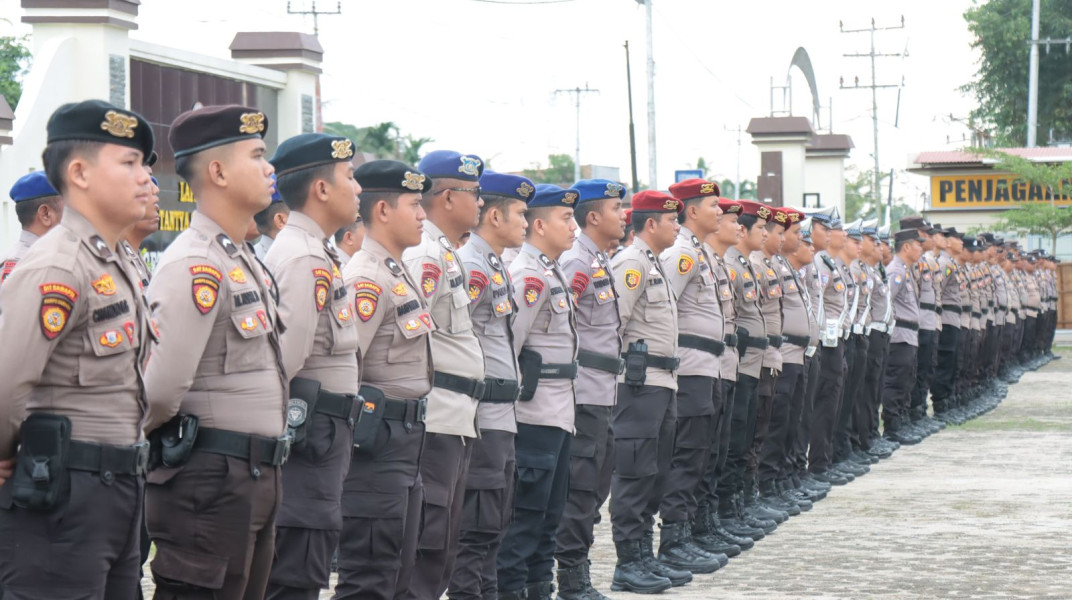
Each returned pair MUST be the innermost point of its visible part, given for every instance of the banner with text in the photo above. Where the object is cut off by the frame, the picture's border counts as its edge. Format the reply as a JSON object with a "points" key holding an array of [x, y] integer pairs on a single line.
{"points": [[991, 191]]}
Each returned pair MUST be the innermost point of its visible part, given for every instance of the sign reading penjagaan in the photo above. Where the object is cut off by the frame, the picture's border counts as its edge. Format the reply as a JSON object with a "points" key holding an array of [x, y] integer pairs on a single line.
{"points": [[990, 191]]}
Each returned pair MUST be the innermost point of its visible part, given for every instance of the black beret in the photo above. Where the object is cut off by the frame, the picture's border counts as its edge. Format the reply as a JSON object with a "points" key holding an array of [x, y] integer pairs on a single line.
{"points": [[98, 121], [309, 150], [907, 235], [391, 176], [914, 222], [152, 158], [211, 126]]}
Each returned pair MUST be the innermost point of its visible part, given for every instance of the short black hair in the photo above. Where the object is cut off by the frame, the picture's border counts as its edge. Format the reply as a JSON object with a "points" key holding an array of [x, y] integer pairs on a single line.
{"points": [[747, 221], [264, 218], [582, 210], [58, 155], [368, 200], [494, 201], [184, 167], [294, 186], [898, 244], [687, 204], [341, 233], [27, 210], [640, 218]]}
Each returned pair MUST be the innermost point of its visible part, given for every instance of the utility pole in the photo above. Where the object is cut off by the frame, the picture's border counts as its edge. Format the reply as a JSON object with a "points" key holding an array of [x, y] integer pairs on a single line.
{"points": [[632, 129], [318, 122], [577, 92], [874, 87], [652, 170], [1032, 77], [737, 181]]}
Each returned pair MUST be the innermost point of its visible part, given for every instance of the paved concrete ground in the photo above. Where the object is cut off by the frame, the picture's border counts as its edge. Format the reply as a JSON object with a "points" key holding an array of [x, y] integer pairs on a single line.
{"points": [[983, 510]]}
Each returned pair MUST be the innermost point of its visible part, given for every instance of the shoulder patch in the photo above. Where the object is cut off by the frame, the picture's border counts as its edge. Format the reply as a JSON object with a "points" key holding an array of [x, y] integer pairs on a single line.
{"points": [[632, 279], [532, 290], [57, 302], [478, 282], [7, 268], [579, 284], [366, 299], [320, 287], [684, 264], [205, 287], [829, 262], [430, 273], [207, 270]]}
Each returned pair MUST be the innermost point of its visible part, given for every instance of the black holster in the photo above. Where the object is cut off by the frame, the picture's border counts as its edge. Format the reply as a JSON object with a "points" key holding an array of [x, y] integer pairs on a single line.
{"points": [[636, 364], [373, 403], [170, 444], [530, 362], [41, 480], [301, 407]]}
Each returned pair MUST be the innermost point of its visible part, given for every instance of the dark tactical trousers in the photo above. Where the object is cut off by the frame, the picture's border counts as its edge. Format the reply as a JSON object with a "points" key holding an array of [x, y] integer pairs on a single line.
{"points": [[715, 466], [789, 391], [527, 555], [644, 421], [86, 547], [760, 422], [945, 368], [591, 463], [381, 509], [860, 399], [213, 523], [825, 413], [925, 361], [309, 520], [801, 436], [487, 511], [692, 447], [897, 385], [965, 355], [443, 469], [744, 407], [990, 350], [851, 396], [878, 351]]}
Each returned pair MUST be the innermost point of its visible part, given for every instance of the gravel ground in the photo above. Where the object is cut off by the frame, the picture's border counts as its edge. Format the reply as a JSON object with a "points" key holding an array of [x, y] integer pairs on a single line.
{"points": [[982, 510]]}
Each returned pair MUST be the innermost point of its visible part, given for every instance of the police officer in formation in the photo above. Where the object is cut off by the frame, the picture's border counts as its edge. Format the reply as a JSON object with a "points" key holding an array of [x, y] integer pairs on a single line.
{"points": [[445, 421]]}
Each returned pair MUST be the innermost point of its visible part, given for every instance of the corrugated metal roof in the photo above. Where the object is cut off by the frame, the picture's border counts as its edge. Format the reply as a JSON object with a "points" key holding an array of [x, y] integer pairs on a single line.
{"points": [[1047, 154]]}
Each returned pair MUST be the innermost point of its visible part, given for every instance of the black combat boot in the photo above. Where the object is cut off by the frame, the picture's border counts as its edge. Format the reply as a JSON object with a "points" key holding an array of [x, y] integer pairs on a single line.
{"points": [[729, 520], [774, 510], [632, 574], [521, 594], [677, 577], [543, 590], [575, 583], [705, 536], [677, 550]]}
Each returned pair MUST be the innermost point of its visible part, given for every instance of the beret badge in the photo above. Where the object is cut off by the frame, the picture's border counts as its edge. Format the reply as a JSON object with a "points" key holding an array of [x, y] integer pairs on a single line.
{"points": [[342, 149], [470, 166], [413, 181], [707, 188], [118, 124], [613, 190], [763, 212], [525, 190], [252, 123]]}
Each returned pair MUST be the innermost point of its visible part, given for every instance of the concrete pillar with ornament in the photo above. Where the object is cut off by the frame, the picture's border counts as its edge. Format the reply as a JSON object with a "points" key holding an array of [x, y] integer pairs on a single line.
{"points": [[299, 55]]}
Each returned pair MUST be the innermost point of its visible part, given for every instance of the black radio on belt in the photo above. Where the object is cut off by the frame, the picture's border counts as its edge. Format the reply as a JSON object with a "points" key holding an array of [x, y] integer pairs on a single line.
{"points": [[529, 362], [300, 408], [170, 444], [636, 363], [41, 480], [369, 417]]}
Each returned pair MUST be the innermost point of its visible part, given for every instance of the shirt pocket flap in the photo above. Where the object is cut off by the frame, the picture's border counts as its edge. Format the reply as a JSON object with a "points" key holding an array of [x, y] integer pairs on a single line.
{"points": [[252, 324]]}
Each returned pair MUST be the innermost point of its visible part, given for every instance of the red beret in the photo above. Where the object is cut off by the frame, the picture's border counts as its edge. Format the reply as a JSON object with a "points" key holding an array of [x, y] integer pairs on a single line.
{"points": [[694, 188], [780, 216], [729, 207], [795, 216], [656, 201], [760, 211]]}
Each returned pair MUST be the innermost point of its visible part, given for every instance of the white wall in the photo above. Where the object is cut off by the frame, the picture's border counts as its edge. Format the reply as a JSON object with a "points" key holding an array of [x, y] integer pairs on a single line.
{"points": [[825, 175]]}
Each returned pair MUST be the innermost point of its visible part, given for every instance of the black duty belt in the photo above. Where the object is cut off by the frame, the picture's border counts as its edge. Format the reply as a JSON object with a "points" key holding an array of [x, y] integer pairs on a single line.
{"points": [[558, 370], [747, 341], [927, 306], [1015, 311], [335, 405], [1003, 307], [912, 325], [669, 363], [976, 315], [730, 339], [269, 451], [953, 308], [106, 458], [601, 362], [704, 344], [798, 340], [474, 388], [774, 341], [500, 391]]}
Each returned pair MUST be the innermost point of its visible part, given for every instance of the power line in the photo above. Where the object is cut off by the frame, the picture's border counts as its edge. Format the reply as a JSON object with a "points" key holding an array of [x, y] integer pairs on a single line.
{"points": [[577, 92], [316, 14]]}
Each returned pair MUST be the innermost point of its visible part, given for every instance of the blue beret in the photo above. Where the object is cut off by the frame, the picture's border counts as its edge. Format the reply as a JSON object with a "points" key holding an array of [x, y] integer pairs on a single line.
{"points": [[512, 186], [31, 187], [599, 189], [552, 195], [276, 197], [155, 182], [448, 164]]}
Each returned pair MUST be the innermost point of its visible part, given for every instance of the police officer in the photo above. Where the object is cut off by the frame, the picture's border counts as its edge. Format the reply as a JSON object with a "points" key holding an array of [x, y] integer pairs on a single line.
{"points": [[39, 208], [270, 222], [381, 497], [545, 340], [949, 295], [348, 239], [453, 208], [644, 418], [687, 267], [136, 234], [72, 406], [900, 370], [925, 273], [601, 220], [218, 378], [856, 347], [314, 175], [489, 484], [865, 421]]}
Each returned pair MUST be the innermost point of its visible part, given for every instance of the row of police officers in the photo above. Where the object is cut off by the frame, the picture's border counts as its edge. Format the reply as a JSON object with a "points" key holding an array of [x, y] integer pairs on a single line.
{"points": [[449, 408]]}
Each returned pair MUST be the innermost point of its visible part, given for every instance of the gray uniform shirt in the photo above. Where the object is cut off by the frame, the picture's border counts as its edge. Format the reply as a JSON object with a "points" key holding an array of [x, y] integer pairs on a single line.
{"points": [[591, 279], [949, 294], [492, 307], [863, 303], [833, 295], [797, 320], [881, 309], [688, 270], [749, 317], [852, 297], [924, 277], [648, 310], [724, 288], [770, 304], [905, 303], [16, 252]]}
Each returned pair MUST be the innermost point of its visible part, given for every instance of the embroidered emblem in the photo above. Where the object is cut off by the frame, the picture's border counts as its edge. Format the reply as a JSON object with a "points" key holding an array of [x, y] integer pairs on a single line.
{"points": [[838, 286], [427, 320], [497, 278], [412, 325], [57, 301], [413, 181], [263, 318], [104, 286], [670, 205], [525, 190], [707, 189], [341, 149], [248, 324], [532, 290], [430, 273], [400, 290], [129, 328], [684, 264], [562, 303], [205, 286], [733, 275], [470, 166], [119, 125], [8, 267], [569, 197], [579, 284], [599, 274], [478, 281], [344, 313], [613, 190], [237, 275], [110, 338], [366, 299], [632, 279], [763, 213], [503, 308], [321, 285], [747, 276], [251, 123]]}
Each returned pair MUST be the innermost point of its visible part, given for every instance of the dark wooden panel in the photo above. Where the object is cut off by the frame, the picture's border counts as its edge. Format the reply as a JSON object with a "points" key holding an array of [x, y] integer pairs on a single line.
{"points": [[769, 183]]}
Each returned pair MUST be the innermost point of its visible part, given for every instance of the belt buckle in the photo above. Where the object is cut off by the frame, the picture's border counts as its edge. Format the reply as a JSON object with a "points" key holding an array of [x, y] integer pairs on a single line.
{"points": [[282, 450], [422, 409], [141, 458], [480, 386]]}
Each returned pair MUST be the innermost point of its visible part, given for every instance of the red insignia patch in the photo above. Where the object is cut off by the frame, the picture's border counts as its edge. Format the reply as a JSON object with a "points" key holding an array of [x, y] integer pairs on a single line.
{"points": [[263, 317], [57, 302], [129, 328], [6, 269], [205, 287], [532, 290], [430, 279], [579, 284], [478, 282], [427, 320], [366, 299], [320, 287]]}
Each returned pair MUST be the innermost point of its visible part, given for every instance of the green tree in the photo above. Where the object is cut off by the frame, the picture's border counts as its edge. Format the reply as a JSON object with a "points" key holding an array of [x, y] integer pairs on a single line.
{"points": [[384, 140], [701, 164], [559, 170], [14, 64], [859, 196], [411, 149], [1002, 29], [729, 189]]}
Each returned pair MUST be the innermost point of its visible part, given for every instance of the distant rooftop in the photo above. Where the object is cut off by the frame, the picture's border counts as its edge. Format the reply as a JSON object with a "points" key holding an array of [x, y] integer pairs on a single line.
{"points": [[957, 157]]}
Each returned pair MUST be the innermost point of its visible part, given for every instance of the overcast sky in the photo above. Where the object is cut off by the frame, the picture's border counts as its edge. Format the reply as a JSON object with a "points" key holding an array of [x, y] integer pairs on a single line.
{"points": [[480, 76]]}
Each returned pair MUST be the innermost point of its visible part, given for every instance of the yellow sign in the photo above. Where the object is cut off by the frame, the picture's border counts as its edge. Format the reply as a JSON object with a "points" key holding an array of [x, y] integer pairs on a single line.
{"points": [[174, 220], [990, 191], [185, 193]]}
